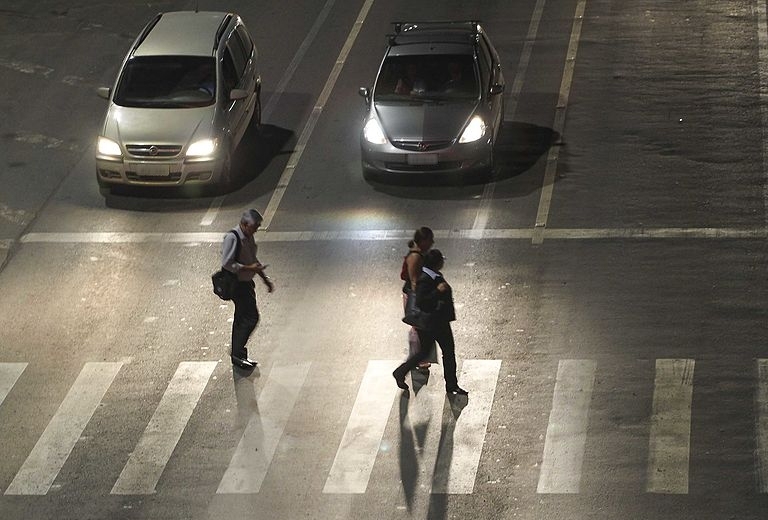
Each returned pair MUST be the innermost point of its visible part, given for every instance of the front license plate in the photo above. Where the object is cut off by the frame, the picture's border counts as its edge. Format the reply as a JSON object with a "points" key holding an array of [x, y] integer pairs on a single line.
{"points": [[422, 158], [151, 170]]}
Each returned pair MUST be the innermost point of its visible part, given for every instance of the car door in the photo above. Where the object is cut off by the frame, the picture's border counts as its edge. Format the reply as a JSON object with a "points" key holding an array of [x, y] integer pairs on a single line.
{"points": [[493, 76], [233, 69]]}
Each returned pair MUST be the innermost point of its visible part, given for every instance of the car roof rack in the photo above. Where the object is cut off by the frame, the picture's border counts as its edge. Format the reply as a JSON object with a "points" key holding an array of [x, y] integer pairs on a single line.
{"points": [[222, 28], [398, 26], [145, 32]]}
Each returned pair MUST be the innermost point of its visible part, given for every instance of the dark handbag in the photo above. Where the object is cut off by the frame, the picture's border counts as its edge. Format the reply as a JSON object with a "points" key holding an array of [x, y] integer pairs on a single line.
{"points": [[413, 315], [225, 282]]}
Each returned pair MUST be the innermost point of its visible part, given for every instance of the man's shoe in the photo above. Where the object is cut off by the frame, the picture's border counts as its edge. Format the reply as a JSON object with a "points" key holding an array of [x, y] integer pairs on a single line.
{"points": [[457, 391], [246, 363], [400, 380]]}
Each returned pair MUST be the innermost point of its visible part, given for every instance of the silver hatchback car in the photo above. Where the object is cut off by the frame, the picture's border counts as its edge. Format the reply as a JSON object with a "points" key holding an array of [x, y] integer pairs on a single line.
{"points": [[183, 99], [437, 104]]}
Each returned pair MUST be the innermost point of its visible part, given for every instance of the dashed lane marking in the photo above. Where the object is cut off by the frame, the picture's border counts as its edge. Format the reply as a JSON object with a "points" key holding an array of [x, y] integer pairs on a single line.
{"points": [[558, 126]]}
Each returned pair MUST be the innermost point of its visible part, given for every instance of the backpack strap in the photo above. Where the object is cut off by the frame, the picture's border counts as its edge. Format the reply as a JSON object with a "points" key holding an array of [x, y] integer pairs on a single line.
{"points": [[237, 245]]}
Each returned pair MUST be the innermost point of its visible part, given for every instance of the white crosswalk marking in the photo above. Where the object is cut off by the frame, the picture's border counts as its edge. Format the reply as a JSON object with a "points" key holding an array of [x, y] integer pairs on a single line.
{"points": [[455, 473], [9, 374], [257, 446], [146, 463], [762, 425], [670, 439], [57, 441], [567, 428], [360, 443]]}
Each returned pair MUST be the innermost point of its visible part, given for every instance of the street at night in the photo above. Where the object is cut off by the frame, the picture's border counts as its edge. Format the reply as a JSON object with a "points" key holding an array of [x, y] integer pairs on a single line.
{"points": [[610, 277]]}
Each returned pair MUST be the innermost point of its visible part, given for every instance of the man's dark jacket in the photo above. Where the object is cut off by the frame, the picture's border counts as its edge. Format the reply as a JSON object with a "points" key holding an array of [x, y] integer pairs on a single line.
{"points": [[439, 305]]}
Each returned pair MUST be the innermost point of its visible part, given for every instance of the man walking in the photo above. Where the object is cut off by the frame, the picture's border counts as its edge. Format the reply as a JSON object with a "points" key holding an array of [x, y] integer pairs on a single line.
{"points": [[238, 255], [435, 298]]}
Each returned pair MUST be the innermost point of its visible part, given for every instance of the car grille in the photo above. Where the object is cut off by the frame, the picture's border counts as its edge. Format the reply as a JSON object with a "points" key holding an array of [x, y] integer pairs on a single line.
{"points": [[421, 146], [403, 167], [133, 176], [153, 150]]}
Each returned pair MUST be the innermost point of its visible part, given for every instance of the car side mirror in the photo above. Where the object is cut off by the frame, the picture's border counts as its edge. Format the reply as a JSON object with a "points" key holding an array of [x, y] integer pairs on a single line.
{"points": [[103, 92], [496, 89], [238, 93], [366, 93]]}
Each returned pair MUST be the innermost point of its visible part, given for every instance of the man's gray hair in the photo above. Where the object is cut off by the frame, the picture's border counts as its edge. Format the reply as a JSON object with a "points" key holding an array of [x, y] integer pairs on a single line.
{"points": [[251, 216]]}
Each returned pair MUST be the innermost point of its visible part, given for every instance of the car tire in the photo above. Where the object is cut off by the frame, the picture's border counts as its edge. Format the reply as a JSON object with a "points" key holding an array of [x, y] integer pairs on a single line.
{"points": [[257, 109]]}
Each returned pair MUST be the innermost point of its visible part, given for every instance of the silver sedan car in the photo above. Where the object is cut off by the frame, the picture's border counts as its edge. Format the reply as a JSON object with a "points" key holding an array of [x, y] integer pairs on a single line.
{"points": [[185, 94], [437, 103]]}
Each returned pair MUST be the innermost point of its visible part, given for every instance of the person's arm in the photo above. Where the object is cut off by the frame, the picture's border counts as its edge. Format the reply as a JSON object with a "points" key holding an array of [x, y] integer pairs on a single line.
{"points": [[228, 250], [259, 268], [427, 293], [414, 263]]}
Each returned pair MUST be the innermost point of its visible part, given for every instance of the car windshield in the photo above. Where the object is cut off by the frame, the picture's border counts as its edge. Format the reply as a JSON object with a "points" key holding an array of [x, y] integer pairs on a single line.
{"points": [[167, 82], [443, 77]]}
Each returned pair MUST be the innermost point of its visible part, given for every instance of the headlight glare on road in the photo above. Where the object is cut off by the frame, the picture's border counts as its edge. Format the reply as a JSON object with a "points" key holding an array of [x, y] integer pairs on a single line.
{"points": [[474, 131], [202, 148], [109, 147], [373, 133]]}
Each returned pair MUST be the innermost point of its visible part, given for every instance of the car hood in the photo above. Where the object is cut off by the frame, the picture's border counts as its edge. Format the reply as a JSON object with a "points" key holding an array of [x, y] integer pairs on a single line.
{"points": [[158, 125], [424, 121]]}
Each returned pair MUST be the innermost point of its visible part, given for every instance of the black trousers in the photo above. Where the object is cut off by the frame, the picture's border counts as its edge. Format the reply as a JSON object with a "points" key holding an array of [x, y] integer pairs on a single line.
{"points": [[443, 334], [246, 317]]}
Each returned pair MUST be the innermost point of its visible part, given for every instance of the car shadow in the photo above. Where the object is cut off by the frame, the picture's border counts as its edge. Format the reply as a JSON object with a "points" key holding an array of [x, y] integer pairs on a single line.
{"points": [[259, 146], [520, 146]]}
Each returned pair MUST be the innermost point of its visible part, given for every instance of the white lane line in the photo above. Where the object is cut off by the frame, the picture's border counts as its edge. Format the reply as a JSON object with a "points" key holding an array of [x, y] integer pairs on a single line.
{"points": [[9, 374], [360, 443], [761, 452], [558, 126], [484, 211], [762, 67], [455, 474], [288, 74], [154, 449], [65, 428], [254, 452], [567, 428], [285, 178], [670, 437], [394, 234], [213, 211]]}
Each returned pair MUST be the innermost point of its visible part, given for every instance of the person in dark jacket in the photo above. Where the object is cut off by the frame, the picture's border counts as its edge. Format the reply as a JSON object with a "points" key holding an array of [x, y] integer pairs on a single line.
{"points": [[434, 297]]}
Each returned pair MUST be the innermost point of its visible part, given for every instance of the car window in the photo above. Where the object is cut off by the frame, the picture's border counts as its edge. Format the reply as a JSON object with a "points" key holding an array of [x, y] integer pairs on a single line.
{"points": [[167, 82], [484, 60], [245, 40], [229, 72], [238, 55], [441, 77]]}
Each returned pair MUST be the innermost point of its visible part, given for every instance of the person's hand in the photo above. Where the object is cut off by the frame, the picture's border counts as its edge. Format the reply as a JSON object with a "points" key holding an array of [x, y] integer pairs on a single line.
{"points": [[269, 284], [442, 287]]}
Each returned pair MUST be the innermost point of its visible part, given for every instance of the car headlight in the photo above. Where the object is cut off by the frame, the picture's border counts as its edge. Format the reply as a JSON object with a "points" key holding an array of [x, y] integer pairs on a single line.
{"points": [[373, 133], [202, 148], [108, 147], [474, 130]]}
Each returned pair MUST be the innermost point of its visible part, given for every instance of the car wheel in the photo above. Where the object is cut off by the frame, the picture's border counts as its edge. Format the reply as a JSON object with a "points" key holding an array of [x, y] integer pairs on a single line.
{"points": [[257, 109]]}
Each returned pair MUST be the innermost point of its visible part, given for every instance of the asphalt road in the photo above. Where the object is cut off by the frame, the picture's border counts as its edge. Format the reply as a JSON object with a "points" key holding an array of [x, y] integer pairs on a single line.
{"points": [[611, 283]]}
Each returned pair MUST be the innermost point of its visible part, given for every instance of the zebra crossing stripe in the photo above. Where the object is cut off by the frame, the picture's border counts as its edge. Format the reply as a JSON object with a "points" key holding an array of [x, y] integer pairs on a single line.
{"points": [[567, 428], [9, 374], [360, 443], [762, 425], [670, 439], [57, 441], [154, 449], [460, 450], [257, 446]]}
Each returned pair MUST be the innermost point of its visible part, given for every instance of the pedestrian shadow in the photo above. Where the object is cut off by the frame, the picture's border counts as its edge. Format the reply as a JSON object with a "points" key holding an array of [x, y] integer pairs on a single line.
{"points": [[438, 501], [245, 395], [413, 444]]}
